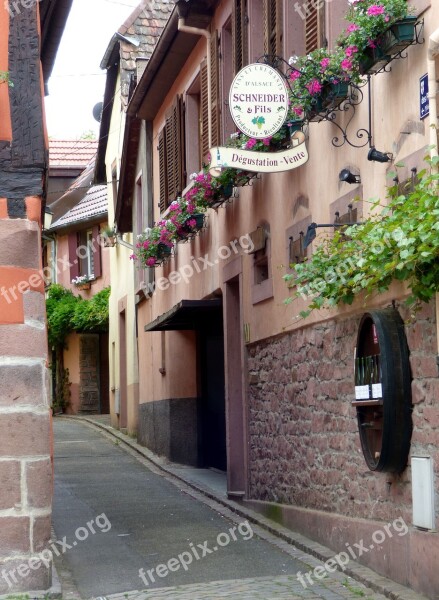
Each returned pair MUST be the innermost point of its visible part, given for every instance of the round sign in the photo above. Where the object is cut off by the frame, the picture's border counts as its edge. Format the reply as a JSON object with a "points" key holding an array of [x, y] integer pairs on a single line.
{"points": [[258, 100]]}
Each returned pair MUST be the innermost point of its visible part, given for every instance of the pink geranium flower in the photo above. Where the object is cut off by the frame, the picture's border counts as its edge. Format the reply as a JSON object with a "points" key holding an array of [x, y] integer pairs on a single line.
{"points": [[350, 50], [352, 27], [371, 44], [250, 144], [150, 261], [346, 64], [314, 87], [294, 75], [324, 63], [266, 141], [375, 10], [298, 110]]}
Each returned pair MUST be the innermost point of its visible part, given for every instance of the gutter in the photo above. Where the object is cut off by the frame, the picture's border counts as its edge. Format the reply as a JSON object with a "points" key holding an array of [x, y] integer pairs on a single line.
{"points": [[205, 33]]}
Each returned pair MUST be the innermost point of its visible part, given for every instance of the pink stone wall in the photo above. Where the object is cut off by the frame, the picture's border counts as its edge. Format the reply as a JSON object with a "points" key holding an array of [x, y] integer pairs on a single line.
{"points": [[304, 446]]}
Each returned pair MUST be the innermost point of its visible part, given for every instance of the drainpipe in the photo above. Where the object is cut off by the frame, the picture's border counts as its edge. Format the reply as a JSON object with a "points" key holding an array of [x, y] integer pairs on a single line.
{"points": [[205, 33], [433, 51]]}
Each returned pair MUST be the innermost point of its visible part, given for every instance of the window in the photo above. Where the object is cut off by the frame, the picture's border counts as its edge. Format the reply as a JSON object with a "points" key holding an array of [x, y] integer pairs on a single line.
{"points": [[239, 35], [114, 182], [215, 99], [139, 224], [262, 288], [193, 128], [296, 252], [314, 26], [85, 253], [172, 155], [273, 27]]}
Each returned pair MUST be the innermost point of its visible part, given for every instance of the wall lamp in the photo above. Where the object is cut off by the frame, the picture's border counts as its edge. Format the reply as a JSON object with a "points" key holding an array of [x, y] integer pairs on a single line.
{"points": [[348, 176], [48, 217], [378, 156], [311, 231]]}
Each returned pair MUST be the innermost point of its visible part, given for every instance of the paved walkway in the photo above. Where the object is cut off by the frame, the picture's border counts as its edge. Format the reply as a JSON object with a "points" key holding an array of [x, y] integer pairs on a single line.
{"points": [[132, 532]]}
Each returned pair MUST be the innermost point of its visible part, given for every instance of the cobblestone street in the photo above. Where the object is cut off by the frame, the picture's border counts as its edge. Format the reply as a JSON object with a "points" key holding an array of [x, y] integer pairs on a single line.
{"points": [[145, 526]]}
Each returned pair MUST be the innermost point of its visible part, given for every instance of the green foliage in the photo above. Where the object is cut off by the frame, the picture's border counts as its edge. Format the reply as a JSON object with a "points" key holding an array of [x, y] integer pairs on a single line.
{"points": [[67, 312], [92, 315], [60, 305], [398, 242]]}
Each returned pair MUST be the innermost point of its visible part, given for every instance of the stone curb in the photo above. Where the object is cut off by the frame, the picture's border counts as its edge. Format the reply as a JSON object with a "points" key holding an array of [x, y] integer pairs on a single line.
{"points": [[364, 575]]}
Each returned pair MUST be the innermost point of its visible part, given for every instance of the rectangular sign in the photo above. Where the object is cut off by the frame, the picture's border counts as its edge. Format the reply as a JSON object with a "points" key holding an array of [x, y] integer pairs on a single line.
{"points": [[424, 108]]}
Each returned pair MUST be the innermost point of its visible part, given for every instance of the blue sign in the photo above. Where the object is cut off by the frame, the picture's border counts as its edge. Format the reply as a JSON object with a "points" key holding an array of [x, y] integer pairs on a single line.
{"points": [[424, 108]]}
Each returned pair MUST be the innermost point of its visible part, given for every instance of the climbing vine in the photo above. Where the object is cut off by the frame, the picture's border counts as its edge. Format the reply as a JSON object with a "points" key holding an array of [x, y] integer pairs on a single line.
{"points": [[67, 312], [399, 241]]}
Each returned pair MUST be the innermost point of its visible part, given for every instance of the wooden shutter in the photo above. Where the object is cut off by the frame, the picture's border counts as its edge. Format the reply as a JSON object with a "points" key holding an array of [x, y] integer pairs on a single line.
{"points": [[182, 143], [273, 27], [215, 95], [162, 167], [314, 25], [73, 258], [174, 151], [204, 117], [97, 263], [239, 35]]}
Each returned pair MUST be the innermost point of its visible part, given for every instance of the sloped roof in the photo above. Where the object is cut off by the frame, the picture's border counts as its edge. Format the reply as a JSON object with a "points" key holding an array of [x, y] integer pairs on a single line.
{"points": [[94, 204], [145, 24], [71, 153]]}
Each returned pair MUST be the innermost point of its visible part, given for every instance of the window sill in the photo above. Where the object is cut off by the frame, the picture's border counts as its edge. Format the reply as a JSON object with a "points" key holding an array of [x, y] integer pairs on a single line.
{"points": [[262, 291]]}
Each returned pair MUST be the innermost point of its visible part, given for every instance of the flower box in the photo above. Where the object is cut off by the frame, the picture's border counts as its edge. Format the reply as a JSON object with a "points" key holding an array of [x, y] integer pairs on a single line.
{"points": [[109, 241], [163, 252], [83, 286], [191, 226], [400, 35], [373, 60], [330, 98]]}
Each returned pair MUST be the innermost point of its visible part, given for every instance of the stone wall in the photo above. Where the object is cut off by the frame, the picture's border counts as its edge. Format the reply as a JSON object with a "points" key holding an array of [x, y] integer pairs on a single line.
{"points": [[25, 450], [306, 466], [304, 446]]}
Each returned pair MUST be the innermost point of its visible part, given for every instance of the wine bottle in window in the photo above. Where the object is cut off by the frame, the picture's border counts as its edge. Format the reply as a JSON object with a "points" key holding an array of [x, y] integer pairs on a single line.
{"points": [[362, 389], [377, 391]]}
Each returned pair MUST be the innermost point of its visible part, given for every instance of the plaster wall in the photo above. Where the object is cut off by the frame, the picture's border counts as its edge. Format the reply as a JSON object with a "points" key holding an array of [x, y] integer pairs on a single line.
{"points": [[122, 283], [277, 466]]}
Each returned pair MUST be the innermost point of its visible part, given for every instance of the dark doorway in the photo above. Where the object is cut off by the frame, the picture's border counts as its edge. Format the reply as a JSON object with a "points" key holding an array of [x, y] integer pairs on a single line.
{"points": [[212, 403]]}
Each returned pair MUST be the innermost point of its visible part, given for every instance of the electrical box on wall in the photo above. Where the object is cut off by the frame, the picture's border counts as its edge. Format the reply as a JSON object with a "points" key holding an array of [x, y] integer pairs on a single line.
{"points": [[383, 390], [423, 492]]}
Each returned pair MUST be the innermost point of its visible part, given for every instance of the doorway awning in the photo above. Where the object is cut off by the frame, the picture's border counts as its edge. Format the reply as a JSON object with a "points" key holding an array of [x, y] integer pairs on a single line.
{"points": [[187, 314]]}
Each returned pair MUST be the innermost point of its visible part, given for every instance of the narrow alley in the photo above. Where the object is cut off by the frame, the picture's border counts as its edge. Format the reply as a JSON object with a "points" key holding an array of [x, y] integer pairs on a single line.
{"points": [[120, 528]]}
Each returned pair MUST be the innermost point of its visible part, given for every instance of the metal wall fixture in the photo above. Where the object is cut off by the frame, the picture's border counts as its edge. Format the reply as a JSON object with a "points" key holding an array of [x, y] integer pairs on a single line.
{"points": [[348, 177], [377, 156]]}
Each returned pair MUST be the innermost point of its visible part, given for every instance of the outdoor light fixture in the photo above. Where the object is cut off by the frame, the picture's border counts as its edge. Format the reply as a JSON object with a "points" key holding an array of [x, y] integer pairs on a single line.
{"points": [[48, 216], [378, 156], [311, 231], [348, 176]]}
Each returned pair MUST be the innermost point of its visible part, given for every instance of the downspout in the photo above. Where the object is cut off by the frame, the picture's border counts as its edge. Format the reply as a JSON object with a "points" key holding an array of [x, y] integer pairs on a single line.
{"points": [[205, 33], [433, 51]]}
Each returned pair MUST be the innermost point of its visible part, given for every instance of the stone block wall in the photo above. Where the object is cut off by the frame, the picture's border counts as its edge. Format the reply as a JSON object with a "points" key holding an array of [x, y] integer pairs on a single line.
{"points": [[305, 451], [25, 449]]}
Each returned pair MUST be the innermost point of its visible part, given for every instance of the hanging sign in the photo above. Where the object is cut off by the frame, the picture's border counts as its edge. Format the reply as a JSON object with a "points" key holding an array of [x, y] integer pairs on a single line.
{"points": [[260, 162], [258, 100]]}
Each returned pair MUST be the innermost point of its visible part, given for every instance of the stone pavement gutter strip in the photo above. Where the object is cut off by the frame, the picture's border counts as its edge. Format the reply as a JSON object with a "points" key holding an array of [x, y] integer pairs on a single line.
{"points": [[364, 575]]}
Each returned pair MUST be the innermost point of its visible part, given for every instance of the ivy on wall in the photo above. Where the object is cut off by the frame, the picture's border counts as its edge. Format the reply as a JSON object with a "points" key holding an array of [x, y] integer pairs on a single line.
{"points": [[67, 313], [398, 241]]}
